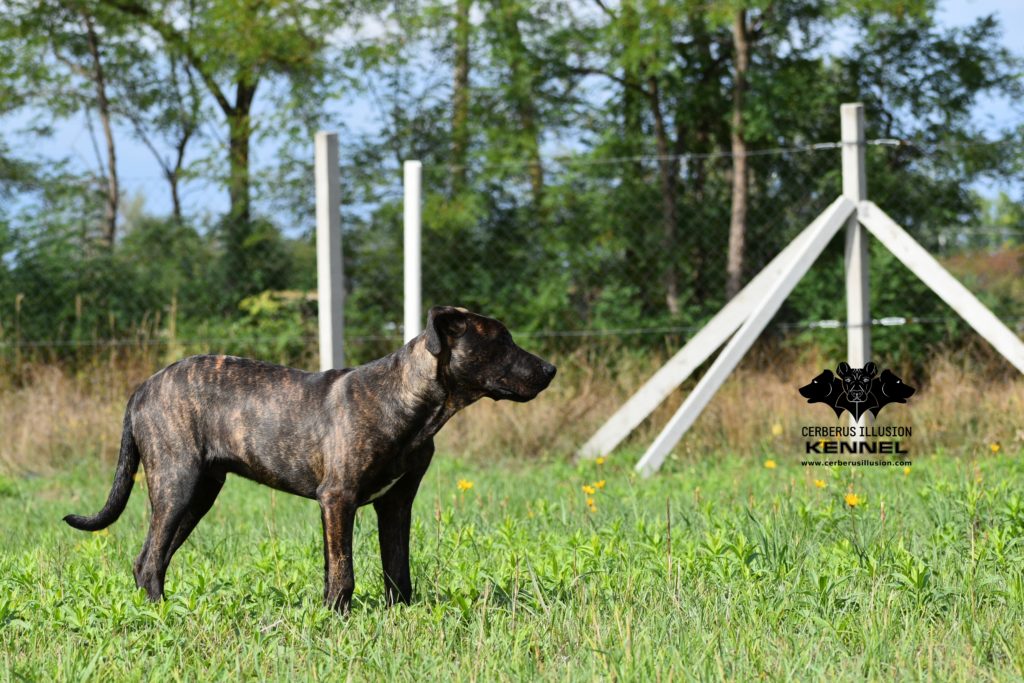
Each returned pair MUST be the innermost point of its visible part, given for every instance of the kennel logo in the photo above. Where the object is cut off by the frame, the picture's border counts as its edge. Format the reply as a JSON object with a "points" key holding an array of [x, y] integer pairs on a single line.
{"points": [[857, 390]]}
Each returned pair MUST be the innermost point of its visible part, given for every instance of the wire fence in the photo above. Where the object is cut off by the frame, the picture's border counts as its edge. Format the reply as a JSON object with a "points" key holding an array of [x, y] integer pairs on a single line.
{"points": [[573, 248], [639, 250]]}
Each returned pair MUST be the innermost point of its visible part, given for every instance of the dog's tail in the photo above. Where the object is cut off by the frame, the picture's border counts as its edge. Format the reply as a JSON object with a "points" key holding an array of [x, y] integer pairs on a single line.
{"points": [[124, 480]]}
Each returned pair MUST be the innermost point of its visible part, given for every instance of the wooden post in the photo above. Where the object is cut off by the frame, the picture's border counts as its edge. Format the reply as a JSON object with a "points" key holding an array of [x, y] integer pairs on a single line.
{"points": [[697, 349], [858, 292], [922, 264], [413, 182], [771, 298], [330, 282], [855, 188]]}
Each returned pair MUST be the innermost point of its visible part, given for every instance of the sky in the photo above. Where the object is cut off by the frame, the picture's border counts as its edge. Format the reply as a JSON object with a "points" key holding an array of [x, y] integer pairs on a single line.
{"points": [[997, 114], [140, 175]]}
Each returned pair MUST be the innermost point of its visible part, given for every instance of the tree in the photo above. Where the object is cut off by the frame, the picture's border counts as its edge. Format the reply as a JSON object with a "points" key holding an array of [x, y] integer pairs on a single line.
{"points": [[165, 110], [68, 54], [740, 179], [669, 58], [460, 96], [519, 71], [235, 49]]}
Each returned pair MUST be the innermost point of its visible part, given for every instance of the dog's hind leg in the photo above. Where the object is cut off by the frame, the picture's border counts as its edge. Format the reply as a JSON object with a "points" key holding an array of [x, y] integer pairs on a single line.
{"points": [[141, 560], [205, 494], [170, 493], [338, 512]]}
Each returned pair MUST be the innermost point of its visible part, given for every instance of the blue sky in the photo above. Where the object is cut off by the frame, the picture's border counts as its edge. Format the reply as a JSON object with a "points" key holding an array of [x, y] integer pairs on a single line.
{"points": [[140, 174]]}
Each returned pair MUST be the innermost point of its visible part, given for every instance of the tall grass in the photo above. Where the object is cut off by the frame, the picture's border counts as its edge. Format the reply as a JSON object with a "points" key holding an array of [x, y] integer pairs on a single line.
{"points": [[963, 403]]}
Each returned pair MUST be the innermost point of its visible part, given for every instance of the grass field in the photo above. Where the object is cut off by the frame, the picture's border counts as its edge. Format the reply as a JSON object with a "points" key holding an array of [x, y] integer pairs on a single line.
{"points": [[765, 573]]}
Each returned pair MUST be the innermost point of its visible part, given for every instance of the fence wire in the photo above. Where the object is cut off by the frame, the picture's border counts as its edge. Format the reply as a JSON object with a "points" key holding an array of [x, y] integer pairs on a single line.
{"points": [[576, 248], [570, 250]]}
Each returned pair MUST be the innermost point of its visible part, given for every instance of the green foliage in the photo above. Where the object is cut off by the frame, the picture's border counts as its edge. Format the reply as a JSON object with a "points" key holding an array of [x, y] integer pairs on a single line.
{"points": [[639, 92], [163, 275], [517, 578]]}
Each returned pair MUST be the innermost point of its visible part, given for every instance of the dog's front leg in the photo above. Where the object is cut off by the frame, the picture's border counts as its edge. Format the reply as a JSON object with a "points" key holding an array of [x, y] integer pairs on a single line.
{"points": [[338, 512], [394, 517]]}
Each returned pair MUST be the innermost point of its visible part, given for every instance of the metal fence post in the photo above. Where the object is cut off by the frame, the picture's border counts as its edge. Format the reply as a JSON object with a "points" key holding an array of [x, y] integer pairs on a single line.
{"points": [[329, 274], [413, 183]]}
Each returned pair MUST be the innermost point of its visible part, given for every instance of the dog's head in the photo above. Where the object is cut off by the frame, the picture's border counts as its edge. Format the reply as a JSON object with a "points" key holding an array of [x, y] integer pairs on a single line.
{"points": [[822, 388], [891, 388], [477, 357], [857, 381]]}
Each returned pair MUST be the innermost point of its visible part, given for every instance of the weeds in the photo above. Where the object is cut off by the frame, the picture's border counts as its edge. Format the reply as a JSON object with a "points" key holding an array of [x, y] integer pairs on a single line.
{"points": [[517, 578], [54, 417]]}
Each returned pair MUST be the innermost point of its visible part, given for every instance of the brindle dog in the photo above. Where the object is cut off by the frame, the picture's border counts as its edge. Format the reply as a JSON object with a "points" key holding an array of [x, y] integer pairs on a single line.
{"points": [[344, 437]]}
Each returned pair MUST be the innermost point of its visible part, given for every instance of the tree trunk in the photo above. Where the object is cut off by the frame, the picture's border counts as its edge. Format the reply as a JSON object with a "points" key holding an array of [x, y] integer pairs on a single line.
{"points": [[113, 191], [187, 130], [522, 96], [702, 113], [239, 133], [528, 119], [520, 92], [174, 174], [669, 205], [460, 97], [242, 263], [740, 173]]}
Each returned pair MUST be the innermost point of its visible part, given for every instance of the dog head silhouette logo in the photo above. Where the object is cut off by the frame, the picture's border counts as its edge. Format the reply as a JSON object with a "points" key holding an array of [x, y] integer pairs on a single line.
{"points": [[857, 390]]}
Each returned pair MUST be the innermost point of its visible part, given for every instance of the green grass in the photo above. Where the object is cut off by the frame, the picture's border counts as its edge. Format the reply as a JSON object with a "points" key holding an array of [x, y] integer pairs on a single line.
{"points": [[768, 577]]}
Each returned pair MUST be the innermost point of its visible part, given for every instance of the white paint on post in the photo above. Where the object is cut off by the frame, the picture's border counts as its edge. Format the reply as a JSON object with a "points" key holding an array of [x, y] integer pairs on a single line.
{"points": [[855, 188], [697, 350], [858, 292], [330, 283], [923, 265], [413, 183], [768, 304]]}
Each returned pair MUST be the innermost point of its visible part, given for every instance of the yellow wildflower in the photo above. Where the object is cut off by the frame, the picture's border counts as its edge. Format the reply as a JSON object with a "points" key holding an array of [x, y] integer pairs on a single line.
{"points": [[776, 429], [464, 485], [906, 471], [820, 483], [588, 489], [600, 461], [770, 464], [853, 500], [599, 484], [994, 446]]}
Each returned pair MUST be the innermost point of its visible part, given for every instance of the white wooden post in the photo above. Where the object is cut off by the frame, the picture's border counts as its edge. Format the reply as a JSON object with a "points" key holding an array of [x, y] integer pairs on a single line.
{"points": [[774, 294], [858, 292], [922, 264], [413, 183], [855, 188], [329, 275]]}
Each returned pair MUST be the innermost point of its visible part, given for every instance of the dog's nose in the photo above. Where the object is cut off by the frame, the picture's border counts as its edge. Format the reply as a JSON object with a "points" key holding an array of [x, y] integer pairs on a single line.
{"points": [[549, 371]]}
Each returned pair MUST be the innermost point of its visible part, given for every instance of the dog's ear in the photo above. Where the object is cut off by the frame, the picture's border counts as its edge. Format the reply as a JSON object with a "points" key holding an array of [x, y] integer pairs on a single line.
{"points": [[870, 368], [843, 370], [444, 323]]}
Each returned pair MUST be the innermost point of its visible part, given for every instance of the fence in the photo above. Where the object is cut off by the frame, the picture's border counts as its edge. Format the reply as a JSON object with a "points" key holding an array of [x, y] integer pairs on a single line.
{"points": [[599, 250], [575, 250]]}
